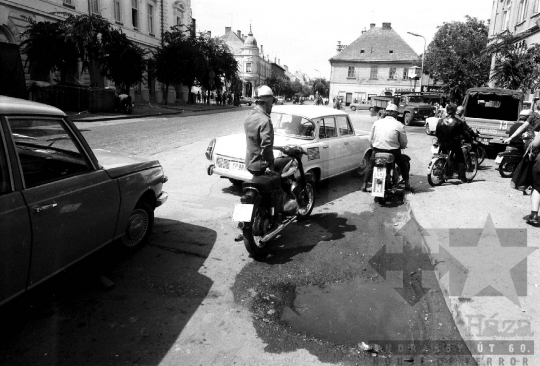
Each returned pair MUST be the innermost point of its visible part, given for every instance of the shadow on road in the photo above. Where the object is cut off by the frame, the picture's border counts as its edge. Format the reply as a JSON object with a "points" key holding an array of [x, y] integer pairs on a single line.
{"points": [[74, 319]]}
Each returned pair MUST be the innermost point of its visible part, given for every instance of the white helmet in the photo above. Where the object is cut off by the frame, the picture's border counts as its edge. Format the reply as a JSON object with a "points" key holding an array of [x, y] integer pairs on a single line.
{"points": [[262, 92], [392, 108]]}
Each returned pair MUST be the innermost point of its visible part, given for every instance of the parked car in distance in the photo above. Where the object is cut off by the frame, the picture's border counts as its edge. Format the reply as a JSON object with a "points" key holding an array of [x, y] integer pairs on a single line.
{"points": [[359, 106], [280, 100], [246, 100], [61, 200], [332, 144]]}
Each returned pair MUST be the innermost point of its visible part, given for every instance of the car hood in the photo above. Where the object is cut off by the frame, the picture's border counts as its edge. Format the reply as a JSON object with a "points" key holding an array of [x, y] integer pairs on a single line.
{"points": [[117, 164], [234, 146]]}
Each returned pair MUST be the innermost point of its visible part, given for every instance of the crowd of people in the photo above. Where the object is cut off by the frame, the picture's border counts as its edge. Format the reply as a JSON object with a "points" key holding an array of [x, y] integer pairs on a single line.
{"points": [[225, 98]]}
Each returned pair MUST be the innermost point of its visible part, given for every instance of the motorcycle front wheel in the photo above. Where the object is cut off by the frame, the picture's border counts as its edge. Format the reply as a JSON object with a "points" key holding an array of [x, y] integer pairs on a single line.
{"points": [[435, 176], [308, 198], [506, 168], [471, 167], [254, 231]]}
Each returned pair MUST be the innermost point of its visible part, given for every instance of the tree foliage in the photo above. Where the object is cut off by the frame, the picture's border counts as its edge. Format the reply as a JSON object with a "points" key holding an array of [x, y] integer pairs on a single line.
{"points": [[457, 56], [515, 66], [277, 84], [321, 86]]}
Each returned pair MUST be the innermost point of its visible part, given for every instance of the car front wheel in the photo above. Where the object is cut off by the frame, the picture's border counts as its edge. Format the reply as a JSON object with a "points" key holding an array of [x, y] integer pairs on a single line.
{"points": [[139, 226], [353, 109]]}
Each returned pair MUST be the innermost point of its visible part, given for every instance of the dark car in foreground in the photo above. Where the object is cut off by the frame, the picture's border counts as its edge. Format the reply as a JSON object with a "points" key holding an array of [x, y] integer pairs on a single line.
{"points": [[61, 200]]}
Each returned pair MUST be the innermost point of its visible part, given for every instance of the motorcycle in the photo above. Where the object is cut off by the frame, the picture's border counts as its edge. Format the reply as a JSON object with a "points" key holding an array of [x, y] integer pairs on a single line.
{"points": [[478, 149], [123, 103], [273, 201], [509, 159], [385, 184], [442, 167]]}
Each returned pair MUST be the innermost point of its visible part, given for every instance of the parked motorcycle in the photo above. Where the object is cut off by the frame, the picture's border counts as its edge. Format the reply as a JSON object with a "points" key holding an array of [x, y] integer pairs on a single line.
{"points": [[509, 159], [123, 103], [442, 167], [478, 148], [273, 201], [385, 186]]}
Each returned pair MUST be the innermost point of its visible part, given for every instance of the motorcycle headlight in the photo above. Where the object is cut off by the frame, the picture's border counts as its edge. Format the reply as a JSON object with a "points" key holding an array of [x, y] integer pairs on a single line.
{"points": [[290, 168]]}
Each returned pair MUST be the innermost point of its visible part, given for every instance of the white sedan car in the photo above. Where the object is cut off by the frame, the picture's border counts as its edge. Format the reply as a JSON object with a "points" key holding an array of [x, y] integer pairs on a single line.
{"points": [[327, 134]]}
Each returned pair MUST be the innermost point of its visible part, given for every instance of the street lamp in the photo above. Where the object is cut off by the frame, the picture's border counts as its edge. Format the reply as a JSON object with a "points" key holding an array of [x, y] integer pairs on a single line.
{"points": [[423, 56]]}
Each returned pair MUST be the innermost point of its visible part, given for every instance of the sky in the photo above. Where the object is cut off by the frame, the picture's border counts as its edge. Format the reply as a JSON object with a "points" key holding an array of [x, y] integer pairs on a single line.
{"points": [[303, 34]]}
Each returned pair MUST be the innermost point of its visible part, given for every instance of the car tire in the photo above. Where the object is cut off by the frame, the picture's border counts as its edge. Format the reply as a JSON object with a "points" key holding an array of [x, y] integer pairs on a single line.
{"points": [[428, 130], [249, 104], [353, 109], [407, 119], [362, 169], [139, 226]]}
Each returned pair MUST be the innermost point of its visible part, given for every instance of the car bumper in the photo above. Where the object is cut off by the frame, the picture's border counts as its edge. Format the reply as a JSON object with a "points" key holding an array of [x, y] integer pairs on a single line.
{"points": [[162, 198]]}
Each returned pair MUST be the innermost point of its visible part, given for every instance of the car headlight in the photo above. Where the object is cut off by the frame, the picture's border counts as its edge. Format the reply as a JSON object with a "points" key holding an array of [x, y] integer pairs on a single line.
{"points": [[210, 149]]}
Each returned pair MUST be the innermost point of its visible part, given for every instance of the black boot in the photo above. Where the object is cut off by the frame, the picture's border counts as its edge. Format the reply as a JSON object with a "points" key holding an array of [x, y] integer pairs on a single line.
{"points": [[461, 173]]}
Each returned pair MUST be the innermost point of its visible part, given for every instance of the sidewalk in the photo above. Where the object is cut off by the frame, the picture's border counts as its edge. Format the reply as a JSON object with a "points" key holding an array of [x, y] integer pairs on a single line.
{"points": [[151, 110]]}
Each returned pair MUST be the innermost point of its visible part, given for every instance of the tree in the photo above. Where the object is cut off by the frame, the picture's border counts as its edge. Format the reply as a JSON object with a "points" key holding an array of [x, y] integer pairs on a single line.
{"points": [[321, 86], [457, 56], [277, 84], [515, 66]]}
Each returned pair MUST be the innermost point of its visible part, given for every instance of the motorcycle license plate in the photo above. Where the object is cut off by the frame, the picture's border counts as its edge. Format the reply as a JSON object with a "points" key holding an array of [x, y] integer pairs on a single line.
{"points": [[379, 175], [498, 160], [233, 165], [485, 141], [242, 212]]}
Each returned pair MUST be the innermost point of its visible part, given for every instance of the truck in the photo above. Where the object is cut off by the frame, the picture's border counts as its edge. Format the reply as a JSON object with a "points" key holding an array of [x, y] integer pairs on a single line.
{"points": [[492, 111], [411, 107]]}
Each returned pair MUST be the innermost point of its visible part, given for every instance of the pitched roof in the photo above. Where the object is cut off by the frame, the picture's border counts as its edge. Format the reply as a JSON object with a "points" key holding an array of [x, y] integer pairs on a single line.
{"points": [[376, 44], [233, 41]]}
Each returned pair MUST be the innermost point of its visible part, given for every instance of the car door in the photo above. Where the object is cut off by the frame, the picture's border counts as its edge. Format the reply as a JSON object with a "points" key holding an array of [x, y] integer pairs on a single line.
{"points": [[328, 138], [15, 230], [73, 205], [349, 145]]}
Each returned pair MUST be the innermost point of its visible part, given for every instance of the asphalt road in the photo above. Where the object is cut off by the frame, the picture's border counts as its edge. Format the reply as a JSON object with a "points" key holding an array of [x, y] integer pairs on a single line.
{"points": [[355, 272]]}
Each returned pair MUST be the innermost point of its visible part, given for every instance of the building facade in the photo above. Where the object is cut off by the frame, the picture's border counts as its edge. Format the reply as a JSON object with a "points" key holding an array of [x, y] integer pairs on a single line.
{"points": [[143, 21], [376, 63], [254, 66], [518, 17]]}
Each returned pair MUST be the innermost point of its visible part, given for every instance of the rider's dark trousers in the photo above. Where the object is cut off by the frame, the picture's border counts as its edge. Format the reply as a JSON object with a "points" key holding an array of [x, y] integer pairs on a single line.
{"points": [[400, 162]]}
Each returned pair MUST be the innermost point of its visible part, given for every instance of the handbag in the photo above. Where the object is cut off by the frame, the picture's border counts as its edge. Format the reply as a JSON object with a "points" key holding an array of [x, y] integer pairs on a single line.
{"points": [[522, 177]]}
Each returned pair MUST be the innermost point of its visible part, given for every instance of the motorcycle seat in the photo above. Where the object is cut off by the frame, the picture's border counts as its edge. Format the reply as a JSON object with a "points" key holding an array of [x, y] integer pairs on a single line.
{"points": [[513, 149], [389, 157], [264, 183]]}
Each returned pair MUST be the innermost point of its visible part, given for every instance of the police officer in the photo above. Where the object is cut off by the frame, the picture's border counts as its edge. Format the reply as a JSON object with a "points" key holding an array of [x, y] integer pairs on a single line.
{"points": [[260, 133]]}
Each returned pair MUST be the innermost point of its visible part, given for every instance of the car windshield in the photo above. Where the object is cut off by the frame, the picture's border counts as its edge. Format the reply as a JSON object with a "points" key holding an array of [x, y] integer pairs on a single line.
{"points": [[293, 126], [416, 99]]}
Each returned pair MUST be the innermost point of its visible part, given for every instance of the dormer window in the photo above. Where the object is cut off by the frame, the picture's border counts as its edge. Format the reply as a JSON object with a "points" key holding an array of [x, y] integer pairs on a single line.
{"points": [[361, 51], [391, 51]]}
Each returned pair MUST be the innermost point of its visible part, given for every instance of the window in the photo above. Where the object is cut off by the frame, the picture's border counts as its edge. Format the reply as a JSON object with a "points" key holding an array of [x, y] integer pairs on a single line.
{"points": [[135, 13], [522, 10], [67, 2], [405, 75], [248, 66], [327, 128], [374, 72], [362, 51], [391, 51], [150, 10], [292, 125], [536, 7], [47, 150], [117, 16], [94, 6], [350, 73], [392, 73], [5, 181], [344, 126], [504, 23]]}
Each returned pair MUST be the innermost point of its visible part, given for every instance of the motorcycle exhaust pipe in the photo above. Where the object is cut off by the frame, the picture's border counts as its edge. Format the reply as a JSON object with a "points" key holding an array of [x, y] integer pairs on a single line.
{"points": [[273, 234]]}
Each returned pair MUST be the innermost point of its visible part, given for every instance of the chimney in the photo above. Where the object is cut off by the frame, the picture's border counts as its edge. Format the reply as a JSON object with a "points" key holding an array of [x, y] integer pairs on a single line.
{"points": [[387, 26], [372, 25], [227, 29], [243, 37], [286, 67], [338, 47], [364, 30], [210, 34], [262, 51], [275, 60], [278, 61], [239, 34]]}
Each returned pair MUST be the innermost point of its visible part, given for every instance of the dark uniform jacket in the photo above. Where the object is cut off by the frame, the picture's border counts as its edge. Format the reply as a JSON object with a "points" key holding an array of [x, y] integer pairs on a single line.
{"points": [[259, 141], [450, 130]]}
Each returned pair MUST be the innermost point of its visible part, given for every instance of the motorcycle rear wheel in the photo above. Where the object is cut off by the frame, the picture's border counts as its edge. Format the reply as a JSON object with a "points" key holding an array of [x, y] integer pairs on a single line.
{"points": [[435, 176], [255, 231]]}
